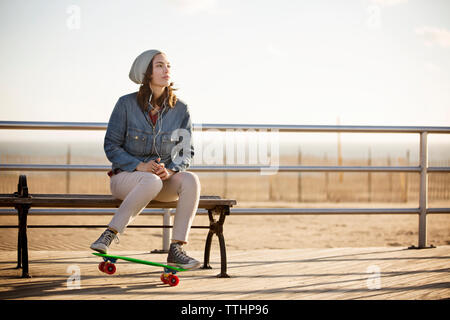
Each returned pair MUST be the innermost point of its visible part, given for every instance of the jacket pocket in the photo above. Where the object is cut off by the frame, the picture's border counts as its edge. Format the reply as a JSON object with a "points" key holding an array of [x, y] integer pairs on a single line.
{"points": [[167, 144], [136, 142]]}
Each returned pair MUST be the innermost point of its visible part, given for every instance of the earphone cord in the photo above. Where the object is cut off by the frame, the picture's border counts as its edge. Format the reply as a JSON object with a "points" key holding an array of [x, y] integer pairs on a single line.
{"points": [[159, 130], [160, 122]]}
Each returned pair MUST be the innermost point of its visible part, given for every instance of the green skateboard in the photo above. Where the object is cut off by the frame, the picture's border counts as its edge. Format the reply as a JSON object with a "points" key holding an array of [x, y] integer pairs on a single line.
{"points": [[168, 277]]}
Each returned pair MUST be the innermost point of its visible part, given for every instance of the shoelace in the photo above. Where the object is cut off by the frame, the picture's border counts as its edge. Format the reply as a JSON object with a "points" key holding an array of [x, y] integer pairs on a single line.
{"points": [[181, 254], [109, 236]]}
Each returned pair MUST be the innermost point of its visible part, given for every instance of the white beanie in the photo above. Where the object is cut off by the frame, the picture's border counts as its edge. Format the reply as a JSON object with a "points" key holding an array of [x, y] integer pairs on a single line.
{"points": [[140, 65]]}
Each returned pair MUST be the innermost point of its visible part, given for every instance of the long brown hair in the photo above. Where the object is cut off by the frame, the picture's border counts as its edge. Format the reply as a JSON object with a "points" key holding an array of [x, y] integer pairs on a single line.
{"points": [[145, 91]]}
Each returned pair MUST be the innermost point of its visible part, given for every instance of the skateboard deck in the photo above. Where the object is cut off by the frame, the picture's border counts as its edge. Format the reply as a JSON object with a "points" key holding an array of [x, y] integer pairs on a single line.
{"points": [[168, 277]]}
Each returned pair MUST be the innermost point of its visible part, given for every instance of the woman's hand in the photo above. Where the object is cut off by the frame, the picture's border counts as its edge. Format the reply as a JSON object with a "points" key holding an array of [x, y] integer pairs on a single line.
{"points": [[164, 173], [151, 166], [155, 167]]}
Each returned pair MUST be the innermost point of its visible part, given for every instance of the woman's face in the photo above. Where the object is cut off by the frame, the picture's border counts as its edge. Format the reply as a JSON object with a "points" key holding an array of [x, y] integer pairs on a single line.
{"points": [[161, 71]]}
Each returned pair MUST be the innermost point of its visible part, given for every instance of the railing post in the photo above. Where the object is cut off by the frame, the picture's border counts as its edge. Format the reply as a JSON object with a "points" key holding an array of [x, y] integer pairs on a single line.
{"points": [[166, 233], [423, 197]]}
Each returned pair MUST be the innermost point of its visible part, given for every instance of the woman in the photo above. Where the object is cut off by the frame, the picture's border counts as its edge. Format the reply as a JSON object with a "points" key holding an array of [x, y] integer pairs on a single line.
{"points": [[141, 142]]}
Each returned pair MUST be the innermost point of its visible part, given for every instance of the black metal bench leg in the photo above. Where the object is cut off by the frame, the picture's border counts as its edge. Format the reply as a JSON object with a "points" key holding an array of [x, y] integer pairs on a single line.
{"points": [[207, 250], [22, 212], [223, 250], [216, 228], [209, 240], [19, 238], [24, 241], [223, 257]]}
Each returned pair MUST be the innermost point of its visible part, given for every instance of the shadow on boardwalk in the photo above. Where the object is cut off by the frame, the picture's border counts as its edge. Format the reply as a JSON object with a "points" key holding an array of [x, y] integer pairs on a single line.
{"points": [[338, 273]]}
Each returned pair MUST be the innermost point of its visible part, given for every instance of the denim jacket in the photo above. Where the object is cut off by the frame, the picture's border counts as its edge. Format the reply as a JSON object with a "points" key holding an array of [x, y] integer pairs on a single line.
{"points": [[132, 138]]}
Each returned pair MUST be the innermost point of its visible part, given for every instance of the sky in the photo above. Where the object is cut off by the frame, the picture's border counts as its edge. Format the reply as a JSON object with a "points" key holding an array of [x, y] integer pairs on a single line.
{"points": [[354, 62]]}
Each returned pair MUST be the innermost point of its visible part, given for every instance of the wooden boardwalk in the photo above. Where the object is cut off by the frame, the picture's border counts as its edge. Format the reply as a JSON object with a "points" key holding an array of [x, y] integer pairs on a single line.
{"points": [[337, 273]]}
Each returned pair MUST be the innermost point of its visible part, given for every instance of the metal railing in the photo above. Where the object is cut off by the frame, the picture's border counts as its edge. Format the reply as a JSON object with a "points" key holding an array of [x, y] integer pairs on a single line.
{"points": [[423, 169]]}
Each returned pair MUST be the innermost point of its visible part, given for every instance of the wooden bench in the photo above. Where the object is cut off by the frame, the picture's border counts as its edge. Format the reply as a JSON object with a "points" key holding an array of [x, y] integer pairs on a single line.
{"points": [[22, 201]]}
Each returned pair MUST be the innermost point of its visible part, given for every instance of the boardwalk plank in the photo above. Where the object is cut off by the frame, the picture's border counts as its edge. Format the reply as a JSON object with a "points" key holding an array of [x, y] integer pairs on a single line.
{"points": [[334, 273]]}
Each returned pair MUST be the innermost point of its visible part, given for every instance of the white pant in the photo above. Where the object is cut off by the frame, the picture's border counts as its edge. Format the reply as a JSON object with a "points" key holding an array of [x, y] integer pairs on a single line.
{"points": [[137, 189]]}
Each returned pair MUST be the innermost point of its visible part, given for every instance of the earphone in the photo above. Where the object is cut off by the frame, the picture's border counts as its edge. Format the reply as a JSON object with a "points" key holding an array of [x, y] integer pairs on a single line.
{"points": [[160, 115]]}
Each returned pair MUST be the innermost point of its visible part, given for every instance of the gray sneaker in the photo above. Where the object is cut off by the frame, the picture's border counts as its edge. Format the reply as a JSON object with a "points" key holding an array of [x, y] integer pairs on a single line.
{"points": [[102, 243], [178, 258]]}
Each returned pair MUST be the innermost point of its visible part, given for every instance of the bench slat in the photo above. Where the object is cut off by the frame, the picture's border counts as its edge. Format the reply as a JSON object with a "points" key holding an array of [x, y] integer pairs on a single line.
{"points": [[98, 201]]}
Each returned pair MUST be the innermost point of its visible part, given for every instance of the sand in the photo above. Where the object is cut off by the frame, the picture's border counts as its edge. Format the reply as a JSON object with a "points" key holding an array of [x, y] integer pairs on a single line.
{"points": [[244, 232]]}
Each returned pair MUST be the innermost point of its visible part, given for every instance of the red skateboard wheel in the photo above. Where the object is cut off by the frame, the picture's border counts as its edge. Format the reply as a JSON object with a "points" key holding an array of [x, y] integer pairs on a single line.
{"points": [[110, 268], [173, 280], [164, 279]]}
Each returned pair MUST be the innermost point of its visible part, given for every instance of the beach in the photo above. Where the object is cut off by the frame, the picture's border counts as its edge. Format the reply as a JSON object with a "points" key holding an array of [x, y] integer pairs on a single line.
{"points": [[244, 232]]}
